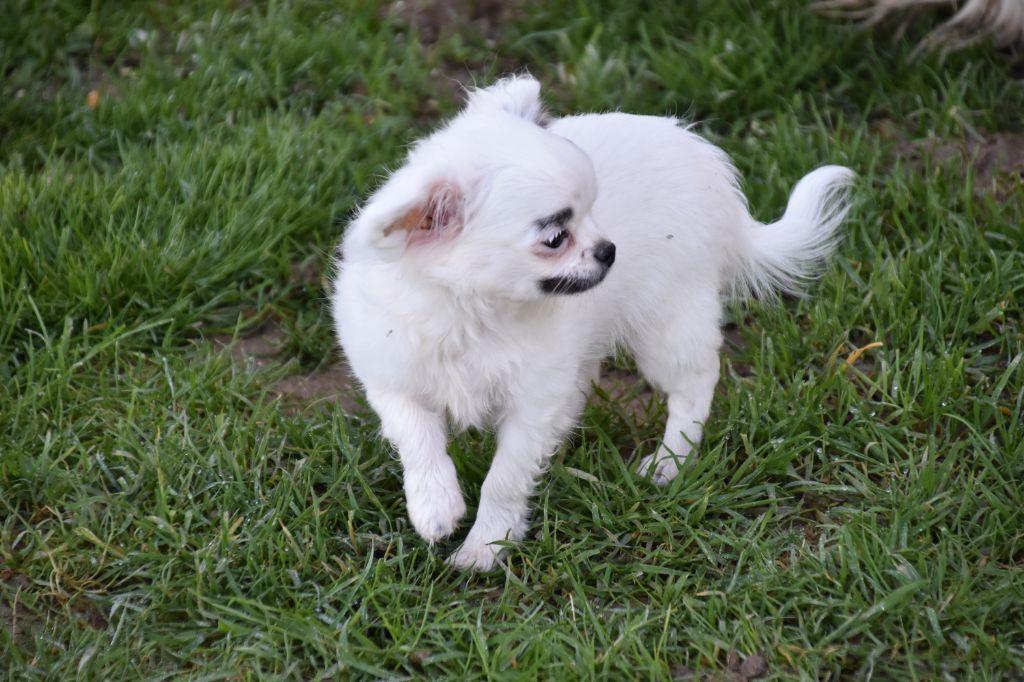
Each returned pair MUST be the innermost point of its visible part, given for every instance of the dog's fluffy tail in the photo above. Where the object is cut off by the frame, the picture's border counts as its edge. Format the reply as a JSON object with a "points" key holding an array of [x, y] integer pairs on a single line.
{"points": [[784, 255]]}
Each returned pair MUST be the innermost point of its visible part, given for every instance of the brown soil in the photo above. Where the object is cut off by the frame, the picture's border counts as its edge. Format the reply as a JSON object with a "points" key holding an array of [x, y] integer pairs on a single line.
{"points": [[737, 669], [14, 618], [628, 390], [332, 385], [335, 385], [436, 19], [996, 160]]}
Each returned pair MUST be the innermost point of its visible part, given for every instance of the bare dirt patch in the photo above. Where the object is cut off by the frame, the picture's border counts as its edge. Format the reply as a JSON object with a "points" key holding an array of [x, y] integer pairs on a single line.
{"points": [[437, 19], [996, 160], [18, 621], [332, 385], [627, 390], [474, 22], [737, 669]]}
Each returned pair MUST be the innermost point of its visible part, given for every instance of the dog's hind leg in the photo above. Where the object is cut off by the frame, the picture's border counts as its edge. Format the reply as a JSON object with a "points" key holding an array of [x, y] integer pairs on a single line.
{"points": [[432, 495], [680, 356]]}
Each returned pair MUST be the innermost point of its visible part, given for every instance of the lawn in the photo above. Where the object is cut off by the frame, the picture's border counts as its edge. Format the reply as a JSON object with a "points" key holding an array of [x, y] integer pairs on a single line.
{"points": [[189, 487]]}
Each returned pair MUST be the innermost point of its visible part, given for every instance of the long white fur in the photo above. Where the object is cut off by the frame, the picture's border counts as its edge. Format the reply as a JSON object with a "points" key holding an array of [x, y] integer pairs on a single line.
{"points": [[452, 328], [784, 255]]}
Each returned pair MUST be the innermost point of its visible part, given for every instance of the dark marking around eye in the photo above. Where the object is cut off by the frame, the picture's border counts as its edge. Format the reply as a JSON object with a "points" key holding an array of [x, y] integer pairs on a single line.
{"points": [[559, 219]]}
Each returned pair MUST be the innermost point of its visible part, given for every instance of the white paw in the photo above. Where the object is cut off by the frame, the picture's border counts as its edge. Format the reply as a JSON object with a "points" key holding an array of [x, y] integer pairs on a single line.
{"points": [[435, 513], [660, 467], [476, 556]]}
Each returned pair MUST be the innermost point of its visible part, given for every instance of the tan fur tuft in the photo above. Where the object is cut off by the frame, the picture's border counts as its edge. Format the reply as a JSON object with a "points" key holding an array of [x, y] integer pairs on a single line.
{"points": [[440, 211], [975, 20]]}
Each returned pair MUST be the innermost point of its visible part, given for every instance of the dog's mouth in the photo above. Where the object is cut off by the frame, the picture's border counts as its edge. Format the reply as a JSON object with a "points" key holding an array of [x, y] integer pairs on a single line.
{"points": [[571, 285]]}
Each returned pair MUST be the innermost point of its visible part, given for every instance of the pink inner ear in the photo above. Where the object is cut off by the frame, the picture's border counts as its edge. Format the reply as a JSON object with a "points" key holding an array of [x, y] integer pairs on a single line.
{"points": [[440, 216], [420, 237]]}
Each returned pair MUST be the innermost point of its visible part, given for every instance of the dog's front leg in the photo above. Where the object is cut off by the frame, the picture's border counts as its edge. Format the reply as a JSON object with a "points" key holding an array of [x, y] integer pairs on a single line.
{"points": [[526, 439], [432, 495]]}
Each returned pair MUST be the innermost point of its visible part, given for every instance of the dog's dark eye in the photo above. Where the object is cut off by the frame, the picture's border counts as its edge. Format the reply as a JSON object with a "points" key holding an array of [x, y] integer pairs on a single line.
{"points": [[554, 241]]}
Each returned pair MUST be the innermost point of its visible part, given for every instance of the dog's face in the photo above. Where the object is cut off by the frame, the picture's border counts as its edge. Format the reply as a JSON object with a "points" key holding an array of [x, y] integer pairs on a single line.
{"points": [[492, 205]]}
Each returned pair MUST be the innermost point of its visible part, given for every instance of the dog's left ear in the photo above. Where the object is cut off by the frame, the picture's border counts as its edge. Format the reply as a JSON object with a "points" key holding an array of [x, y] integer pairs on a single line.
{"points": [[516, 95]]}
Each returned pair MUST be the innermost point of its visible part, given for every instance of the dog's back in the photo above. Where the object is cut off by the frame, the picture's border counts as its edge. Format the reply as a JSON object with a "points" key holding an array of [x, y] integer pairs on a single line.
{"points": [[672, 204]]}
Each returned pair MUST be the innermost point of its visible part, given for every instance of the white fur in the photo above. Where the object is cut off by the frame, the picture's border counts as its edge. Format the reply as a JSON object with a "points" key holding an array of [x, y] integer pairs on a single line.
{"points": [[447, 324]]}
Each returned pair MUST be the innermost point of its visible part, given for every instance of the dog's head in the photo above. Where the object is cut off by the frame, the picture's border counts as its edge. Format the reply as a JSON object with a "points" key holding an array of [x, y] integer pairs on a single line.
{"points": [[494, 204]]}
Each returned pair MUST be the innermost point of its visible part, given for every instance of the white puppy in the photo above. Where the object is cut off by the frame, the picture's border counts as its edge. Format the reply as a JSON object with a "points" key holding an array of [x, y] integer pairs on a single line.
{"points": [[485, 281]]}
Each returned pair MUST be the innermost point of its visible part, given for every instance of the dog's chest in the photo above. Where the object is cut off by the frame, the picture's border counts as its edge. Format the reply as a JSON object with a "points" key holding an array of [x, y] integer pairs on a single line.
{"points": [[470, 374], [472, 378]]}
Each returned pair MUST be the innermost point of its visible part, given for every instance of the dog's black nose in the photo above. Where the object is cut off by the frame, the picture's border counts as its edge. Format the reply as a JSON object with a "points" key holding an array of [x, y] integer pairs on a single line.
{"points": [[604, 252]]}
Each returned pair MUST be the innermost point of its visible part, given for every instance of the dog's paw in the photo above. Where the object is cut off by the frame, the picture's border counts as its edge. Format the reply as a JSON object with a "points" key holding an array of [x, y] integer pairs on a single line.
{"points": [[660, 467], [476, 557], [435, 513]]}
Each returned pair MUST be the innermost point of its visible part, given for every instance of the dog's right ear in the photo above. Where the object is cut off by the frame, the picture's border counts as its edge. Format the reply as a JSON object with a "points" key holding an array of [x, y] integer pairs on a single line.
{"points": [[516, 95], [436, 216], [402, 216]]}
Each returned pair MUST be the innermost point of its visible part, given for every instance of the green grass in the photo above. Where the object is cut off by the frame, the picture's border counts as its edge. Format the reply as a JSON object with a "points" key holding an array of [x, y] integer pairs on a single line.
{"points": [[163, 516]]}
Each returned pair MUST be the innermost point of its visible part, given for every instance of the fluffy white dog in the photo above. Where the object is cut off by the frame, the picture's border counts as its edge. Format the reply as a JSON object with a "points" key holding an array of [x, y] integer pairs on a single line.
{"points": [[485, 281]]}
